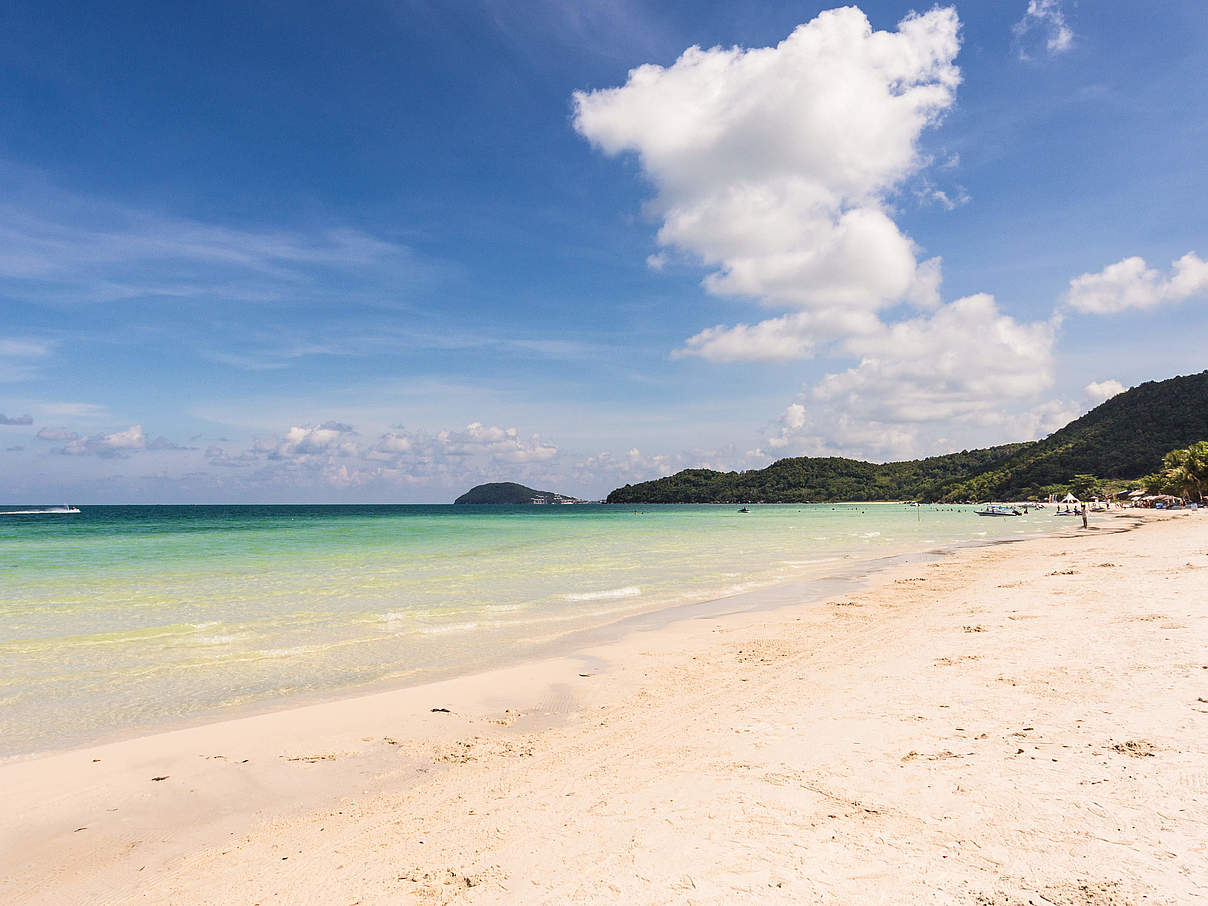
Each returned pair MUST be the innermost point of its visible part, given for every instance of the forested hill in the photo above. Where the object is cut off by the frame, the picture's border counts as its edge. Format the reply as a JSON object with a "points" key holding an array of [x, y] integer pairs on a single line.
{"points": [[1124, 437], [805, 479], [509, 492]]}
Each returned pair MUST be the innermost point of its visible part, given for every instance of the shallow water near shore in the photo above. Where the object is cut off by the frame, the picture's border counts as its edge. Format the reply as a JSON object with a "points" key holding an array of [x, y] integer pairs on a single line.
{"points": [[121, 620]]}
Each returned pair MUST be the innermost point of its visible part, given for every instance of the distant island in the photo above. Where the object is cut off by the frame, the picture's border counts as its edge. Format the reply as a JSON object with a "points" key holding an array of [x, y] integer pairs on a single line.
{"points": [[1119, 441], [508, 492]]}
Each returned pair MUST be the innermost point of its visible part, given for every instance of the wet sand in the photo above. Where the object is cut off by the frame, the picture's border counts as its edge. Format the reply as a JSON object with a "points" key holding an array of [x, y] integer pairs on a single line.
{"points": [[1021, 723]]}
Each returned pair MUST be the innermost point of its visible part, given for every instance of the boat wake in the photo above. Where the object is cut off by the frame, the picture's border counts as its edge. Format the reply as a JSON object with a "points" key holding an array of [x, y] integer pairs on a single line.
{"points": [[44, 511]]}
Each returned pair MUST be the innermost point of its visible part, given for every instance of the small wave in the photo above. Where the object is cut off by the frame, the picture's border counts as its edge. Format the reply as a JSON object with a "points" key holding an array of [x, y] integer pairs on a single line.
{"points": [[289, 652], [448, 627], [739, 588], [220, 639], [629, 591], [504, 608]]}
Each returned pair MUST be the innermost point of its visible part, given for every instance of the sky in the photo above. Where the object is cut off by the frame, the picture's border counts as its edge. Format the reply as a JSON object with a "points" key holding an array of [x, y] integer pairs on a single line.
{"points": [[384, 250]]}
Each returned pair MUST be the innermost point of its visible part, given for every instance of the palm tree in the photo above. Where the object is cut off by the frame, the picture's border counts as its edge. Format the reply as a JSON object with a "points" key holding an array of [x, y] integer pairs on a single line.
{"points": [[1186, 471]]}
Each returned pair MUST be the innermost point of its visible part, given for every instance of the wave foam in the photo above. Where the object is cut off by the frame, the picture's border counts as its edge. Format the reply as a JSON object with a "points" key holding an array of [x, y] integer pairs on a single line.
{"points": [[220, 639], [447, 627], [629, 591], [288, 652]]}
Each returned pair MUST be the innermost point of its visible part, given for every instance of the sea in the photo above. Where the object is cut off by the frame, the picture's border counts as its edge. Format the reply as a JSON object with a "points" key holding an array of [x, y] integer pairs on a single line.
{"points": [[123, 620]]}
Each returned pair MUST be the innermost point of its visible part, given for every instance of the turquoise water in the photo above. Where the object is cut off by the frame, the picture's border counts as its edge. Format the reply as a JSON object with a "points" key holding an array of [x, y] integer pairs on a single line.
{"points": [[121, 620]]}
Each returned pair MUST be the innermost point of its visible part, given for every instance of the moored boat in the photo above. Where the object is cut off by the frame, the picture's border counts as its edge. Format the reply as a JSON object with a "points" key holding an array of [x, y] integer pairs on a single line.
{"points": [[998, 509]]}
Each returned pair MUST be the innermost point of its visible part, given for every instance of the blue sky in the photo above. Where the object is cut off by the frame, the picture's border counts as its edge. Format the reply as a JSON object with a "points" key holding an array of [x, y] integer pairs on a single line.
{"points": [[384, 251]]}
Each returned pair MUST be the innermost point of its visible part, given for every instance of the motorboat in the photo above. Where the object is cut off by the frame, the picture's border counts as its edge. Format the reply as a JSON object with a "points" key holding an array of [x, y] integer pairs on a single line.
{"points": [[65, 509], [998, 509]]}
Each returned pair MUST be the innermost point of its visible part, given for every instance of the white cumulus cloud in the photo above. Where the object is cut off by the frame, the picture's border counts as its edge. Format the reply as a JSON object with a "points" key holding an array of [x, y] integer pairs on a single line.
{"points": [[1043, 25], [791, 422], [57, 433], [334, 453], [1131, 283], [310, 440], [777, 167], [791, 336], [961, 362], [1101, 391], [773, 164], [117, 444], [967, 367]]}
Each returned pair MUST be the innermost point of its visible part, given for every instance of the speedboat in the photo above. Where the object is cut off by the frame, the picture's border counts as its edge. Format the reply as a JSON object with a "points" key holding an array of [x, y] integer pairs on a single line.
{"points": [[744, 510], [63, 510]]}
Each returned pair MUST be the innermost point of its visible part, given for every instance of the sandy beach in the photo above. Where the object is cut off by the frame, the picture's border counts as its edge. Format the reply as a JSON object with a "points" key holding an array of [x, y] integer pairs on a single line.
{"points": [[1022, 723]]}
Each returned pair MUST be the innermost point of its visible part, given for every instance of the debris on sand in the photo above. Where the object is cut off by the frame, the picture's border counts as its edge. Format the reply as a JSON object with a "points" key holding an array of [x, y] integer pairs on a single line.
{"points": [[1135, 748]]}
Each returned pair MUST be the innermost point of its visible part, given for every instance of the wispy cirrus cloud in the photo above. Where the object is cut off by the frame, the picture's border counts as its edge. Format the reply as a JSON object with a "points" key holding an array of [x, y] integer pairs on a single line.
{"points": [[284, 347], [63, 249], [72, 410], [21, 359]]}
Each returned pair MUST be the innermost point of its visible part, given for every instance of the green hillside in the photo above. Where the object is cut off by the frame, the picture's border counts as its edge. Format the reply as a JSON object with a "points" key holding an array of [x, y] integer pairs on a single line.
{"points": [[1124, 437], [508, 492]]}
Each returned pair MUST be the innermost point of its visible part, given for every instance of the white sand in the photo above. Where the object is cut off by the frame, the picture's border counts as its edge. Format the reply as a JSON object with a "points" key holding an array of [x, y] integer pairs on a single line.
{"points": [[1018, 724]]}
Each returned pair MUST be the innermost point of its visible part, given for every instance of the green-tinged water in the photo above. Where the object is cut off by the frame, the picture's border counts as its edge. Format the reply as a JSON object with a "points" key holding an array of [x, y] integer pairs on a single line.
{"points": [[119, 620]]}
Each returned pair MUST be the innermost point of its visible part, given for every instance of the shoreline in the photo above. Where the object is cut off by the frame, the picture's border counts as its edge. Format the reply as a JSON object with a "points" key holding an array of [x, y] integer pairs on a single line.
{"points": [[262, 781], [842, 572], [767, 599]]}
